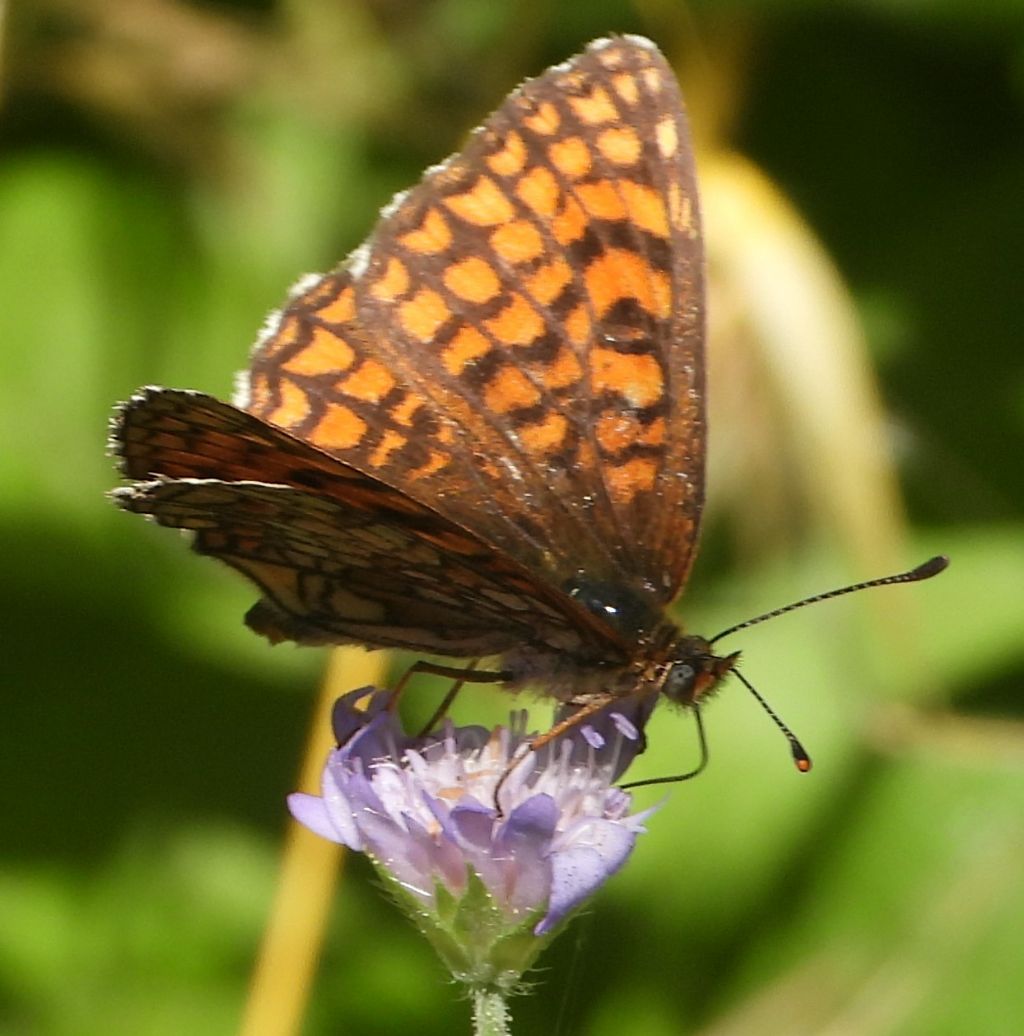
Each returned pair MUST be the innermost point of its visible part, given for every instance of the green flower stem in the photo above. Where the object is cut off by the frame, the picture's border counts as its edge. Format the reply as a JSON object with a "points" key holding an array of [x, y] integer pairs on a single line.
{"points": [[490, 1012]]}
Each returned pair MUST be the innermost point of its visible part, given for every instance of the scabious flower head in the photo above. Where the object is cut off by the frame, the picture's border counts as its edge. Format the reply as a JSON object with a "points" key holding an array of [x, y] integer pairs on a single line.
{"points": [[487, 886]]}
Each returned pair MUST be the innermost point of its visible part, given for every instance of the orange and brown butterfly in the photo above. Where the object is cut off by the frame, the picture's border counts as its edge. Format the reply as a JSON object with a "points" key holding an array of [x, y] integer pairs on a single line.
{"points": [[484, 432]]}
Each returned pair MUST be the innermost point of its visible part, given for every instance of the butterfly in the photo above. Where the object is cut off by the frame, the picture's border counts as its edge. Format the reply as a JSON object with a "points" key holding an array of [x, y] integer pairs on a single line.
{"points": [[483, 433]]}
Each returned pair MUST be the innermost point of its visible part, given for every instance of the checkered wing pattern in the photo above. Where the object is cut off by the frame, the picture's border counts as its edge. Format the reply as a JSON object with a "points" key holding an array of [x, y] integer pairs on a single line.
{"points": [[339, 555], [518, 346]]}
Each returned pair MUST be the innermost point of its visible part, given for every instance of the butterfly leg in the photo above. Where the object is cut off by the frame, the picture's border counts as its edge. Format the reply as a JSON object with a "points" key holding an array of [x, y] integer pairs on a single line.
{"points": [[570, 721], [461, 674], [446, 703]]}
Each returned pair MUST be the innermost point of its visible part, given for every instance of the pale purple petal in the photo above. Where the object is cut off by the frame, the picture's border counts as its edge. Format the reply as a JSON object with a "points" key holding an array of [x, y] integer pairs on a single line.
{"points": [[311, 812], [531, 824], [474, 824], [437, 855], [340, 808], [577, 872], [612, 839], [527, 840]]}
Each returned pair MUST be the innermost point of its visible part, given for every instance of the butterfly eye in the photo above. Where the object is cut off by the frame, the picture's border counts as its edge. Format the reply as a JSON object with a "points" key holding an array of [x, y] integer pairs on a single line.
{"points": [[679, 683]]}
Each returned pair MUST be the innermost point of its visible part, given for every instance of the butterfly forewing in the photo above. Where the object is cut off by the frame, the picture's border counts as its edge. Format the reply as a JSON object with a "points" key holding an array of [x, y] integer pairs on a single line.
{"points": [[486, 427], [519, 342]]}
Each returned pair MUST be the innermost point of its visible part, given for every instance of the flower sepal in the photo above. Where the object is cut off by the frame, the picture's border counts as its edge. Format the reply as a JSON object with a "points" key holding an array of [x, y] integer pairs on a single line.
{"points": [[478, 942]]}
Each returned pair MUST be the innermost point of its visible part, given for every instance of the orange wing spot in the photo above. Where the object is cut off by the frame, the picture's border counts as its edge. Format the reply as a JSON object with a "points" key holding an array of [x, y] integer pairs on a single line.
{"points": [[646, 207], [680, 210], [636, 377], [616, 431], [627, 480], [626, 199], [571, 157], [625, 86], [434, 464], [433, 236], [511, 158], [517, 242], [473, 280], [370, 381], [510, 389], [666, 135], [340, 309], [578, 325], [468, 345], [596, 108], [259, 391], [563, 371], [546, 435], [570, 224], [402, 413], [326, 353], [517, 324], [620, 145], [285, 334], [392, 283], [423, 314], [548, 282], [610, 57], [653, 80], [539, 190], [340, 428], [654, 433], [622, 274], [484, 204], [602, 200], [389, 442], [545, 120]]}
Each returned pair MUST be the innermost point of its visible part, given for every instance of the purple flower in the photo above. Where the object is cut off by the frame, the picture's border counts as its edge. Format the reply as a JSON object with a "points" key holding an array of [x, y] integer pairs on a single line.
{"points": [[423, 808]]}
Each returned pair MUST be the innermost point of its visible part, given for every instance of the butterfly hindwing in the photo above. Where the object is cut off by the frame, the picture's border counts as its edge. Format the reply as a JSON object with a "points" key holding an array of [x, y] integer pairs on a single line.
{"points": [[339, 556]]}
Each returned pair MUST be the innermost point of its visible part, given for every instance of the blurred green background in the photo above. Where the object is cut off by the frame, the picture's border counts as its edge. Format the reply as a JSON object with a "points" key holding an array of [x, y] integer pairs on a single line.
{"points": [[167, 169]]}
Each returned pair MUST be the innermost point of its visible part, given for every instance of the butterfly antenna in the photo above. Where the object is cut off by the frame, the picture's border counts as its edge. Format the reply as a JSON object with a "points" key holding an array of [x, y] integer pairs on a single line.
{"points": [[932, 567], [800, 756]]}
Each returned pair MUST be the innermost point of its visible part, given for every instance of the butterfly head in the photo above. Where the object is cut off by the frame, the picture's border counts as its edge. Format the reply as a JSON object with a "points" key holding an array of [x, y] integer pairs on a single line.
{"points": [[693, 670]]}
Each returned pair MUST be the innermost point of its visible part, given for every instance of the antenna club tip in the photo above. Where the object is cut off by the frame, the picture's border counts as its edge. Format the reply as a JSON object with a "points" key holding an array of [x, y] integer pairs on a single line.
{"points": [[932, 567], [803, 762]]}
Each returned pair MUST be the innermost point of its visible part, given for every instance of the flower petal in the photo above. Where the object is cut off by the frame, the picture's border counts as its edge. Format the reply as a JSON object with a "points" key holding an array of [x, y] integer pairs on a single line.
{"points": [[340, 807], [474, 824], [525, 840], [578, 871], [349, 715], [310, 811], [532, 822]]}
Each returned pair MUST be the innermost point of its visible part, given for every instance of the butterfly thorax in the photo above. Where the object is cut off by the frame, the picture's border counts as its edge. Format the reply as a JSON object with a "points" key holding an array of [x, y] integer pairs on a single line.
{"points": [[683, 667]]}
